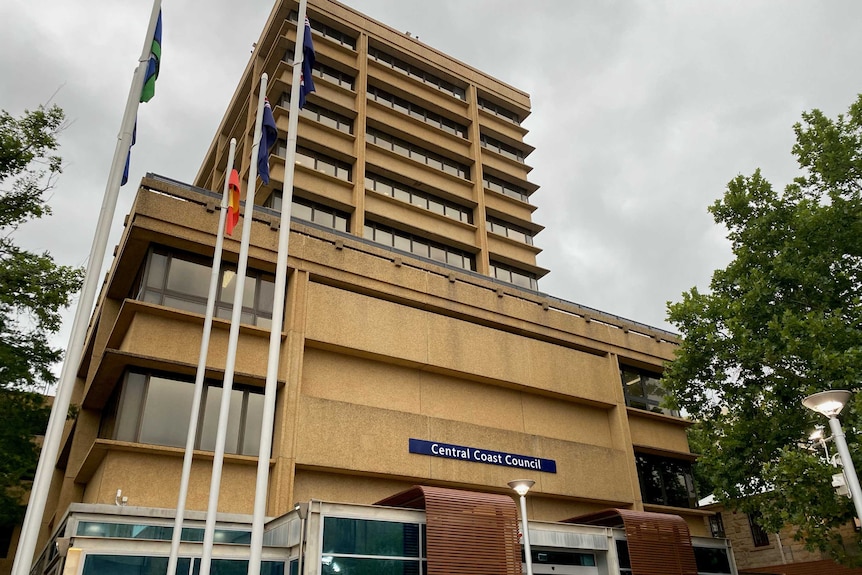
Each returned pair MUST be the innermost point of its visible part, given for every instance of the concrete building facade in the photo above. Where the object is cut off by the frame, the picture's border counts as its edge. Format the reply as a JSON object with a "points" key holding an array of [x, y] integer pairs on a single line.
{"points": [[416, 347]]}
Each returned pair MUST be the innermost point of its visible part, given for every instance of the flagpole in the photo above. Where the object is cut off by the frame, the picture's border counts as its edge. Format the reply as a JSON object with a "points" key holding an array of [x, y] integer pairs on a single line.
{"points": [[236, 317], [201, 371], [75, 348], [278, 303]]}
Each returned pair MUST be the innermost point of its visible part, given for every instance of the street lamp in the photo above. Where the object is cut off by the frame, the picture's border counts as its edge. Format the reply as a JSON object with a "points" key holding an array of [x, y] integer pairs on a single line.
{"points": [[830, 403], [521, 487]]}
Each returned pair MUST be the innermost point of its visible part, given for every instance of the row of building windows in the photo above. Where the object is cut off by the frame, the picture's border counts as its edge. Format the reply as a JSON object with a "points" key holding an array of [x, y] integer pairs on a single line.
{"points": [[514, 276], [182, 282], [348, 41], [154, 409], [328, 73], [320, 114], [328, 32], [317, 161], [502, 148], [416, 111], [419, 246], [418, 73], [505, 188], [413, 196], [508, 230], [310, 211], [498, 110], [414, 152]]}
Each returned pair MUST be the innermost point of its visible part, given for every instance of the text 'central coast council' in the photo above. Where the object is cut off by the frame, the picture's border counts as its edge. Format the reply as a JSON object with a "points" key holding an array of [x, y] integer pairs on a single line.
{"points": [[477, 455]]}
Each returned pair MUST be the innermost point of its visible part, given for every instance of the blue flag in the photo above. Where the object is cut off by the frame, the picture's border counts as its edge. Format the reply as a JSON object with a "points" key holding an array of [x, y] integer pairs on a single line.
{"points": [[129, 155], [306, 84], [268, 135]]}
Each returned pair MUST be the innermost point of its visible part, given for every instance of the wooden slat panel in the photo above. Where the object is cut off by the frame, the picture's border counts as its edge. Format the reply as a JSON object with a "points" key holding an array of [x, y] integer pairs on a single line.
{"points": [[468, 533]]}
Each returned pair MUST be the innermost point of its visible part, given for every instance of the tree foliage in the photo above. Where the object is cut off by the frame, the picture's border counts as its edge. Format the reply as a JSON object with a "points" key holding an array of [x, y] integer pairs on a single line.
{"points": [[33, 292], [781, 321]]}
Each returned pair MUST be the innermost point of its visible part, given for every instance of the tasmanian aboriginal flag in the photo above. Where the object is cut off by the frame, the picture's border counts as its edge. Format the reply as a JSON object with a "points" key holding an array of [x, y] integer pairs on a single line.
{"points": [[268, 135], [233, 202], [306, 84]]}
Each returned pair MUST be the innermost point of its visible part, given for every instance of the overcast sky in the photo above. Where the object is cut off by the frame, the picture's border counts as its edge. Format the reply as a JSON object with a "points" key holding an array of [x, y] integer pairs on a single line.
{"points": [[642, 112]]}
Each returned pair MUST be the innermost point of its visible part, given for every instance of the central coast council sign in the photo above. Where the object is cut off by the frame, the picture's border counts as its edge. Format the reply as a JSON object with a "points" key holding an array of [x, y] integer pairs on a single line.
{"points": [[478, 455]]}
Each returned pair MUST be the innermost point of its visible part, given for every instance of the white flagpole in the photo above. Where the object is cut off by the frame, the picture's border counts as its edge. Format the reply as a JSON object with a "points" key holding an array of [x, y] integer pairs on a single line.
{"points": [[236, 317], [202, 367], [74, 350], [266, 424]]}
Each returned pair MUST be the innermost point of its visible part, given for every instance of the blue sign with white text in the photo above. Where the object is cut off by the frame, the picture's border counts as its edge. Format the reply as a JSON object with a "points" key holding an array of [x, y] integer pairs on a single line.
{"points": [[449, 451]]}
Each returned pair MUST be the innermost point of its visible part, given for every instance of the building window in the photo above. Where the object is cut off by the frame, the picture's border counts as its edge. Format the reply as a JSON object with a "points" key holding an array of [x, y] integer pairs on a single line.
{"points": [[499, 111], [328, 73], [716, 526], [643, 390], [502, 148], [416, 153], [328, 32], [413, 196], [310, 211], [665, 481], [510, 231], [5, 539], [145, 565], [416, 111], [182, 281], [320, 114], [317, 162], [419, 246], [514, 276], [367, 546], [759, 536], [417, 73], [712, 561], [505, 188], [154, 409]]}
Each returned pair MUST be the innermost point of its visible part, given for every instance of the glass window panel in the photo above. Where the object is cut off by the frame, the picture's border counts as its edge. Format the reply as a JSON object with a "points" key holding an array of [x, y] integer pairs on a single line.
{"points": [[438, 254], [253, 417], [131, 565], [384, 237], [152, 297], [357, 566], [402, 195], [418, 200], [188, 278], [326, 168], [455, 259], [436, 207], [156, 271], [185, 304], [401, 243], [341, 223], [165, 419], [368, 233], [267, 292], [132, 397], [367, 537], [301, 211], [420, 249], [209, 428]]}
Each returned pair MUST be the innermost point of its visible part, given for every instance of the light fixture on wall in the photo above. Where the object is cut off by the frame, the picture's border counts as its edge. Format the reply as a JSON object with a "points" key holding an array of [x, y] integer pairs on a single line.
{"points": [[521, 487]]}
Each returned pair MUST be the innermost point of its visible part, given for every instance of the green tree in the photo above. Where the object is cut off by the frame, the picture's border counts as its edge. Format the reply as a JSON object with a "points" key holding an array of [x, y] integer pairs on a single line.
{"points": [[33, 292], [781, 321]]}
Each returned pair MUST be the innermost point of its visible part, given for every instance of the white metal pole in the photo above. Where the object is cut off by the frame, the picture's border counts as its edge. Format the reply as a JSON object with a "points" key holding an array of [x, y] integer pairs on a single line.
{"points": [[528, 554], [847, 462], [200, 377], [267, 418], [236, 317], [75, 348]]}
